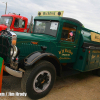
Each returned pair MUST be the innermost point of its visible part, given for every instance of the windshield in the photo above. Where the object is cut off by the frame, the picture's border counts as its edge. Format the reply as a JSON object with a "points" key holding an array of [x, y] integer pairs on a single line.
{"points": [[6, 20], [46, 27]]}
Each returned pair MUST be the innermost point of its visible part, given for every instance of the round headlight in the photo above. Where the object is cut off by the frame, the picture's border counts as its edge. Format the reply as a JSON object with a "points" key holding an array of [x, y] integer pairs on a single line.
{"points": [[14, 51]]}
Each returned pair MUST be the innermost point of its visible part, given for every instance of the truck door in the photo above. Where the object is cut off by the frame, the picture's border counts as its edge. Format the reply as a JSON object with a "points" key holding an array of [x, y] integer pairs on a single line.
{"points": [[19, 25], [68, 44]]}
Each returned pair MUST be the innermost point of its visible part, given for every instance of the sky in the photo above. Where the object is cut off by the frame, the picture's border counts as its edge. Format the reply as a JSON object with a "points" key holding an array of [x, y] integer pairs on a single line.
{"points": [[86, 11]]}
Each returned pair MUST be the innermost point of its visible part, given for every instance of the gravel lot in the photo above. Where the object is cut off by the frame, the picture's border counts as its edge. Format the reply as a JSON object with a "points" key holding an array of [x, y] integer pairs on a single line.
{"points": [[83, 86]]}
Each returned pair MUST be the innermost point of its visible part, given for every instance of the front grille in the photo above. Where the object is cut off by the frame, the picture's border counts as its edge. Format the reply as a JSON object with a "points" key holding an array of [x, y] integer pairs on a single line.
{"points": [[5, 48]]}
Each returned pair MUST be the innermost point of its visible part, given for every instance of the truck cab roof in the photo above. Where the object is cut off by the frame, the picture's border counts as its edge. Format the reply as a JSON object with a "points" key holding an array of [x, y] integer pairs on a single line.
{"points": [[57, 18], [14, 15]]}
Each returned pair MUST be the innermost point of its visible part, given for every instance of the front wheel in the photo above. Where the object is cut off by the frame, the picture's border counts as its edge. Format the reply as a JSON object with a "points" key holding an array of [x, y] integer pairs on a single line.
{"points": [[37, 82]]}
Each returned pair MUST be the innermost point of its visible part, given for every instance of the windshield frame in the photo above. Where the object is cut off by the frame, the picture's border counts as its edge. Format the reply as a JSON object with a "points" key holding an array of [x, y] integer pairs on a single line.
{"points": [[46, 21], [7, 17]]}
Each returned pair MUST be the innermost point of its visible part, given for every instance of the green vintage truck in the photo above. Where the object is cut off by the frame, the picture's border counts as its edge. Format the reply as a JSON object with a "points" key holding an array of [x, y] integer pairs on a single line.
{"points": [[57, 43]]}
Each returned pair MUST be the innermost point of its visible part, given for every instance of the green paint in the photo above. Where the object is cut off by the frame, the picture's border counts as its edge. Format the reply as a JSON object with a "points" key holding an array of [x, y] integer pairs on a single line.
{"points": [[1, 61], [65, 51]]}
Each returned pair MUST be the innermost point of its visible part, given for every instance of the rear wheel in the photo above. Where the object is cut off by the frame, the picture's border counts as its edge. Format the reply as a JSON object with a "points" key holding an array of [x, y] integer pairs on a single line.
{"points": [[96, 72], [37, 82]]}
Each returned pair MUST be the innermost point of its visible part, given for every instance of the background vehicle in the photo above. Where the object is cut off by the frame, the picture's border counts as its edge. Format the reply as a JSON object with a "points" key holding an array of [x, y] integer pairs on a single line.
{"points": [[14, 22], [57, 44]]}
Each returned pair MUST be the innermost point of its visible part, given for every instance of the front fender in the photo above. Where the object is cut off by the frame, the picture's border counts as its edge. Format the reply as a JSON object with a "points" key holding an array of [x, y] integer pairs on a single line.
{"points": [[35, 56]]}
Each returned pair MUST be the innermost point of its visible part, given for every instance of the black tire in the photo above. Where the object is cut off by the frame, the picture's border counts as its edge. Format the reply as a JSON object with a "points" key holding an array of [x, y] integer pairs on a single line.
{"points": [[96, 72], [33, 81]]}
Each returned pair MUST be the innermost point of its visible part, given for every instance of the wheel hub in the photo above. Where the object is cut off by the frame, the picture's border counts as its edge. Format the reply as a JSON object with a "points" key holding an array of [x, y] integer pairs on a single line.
{"points": [[42, 81]]}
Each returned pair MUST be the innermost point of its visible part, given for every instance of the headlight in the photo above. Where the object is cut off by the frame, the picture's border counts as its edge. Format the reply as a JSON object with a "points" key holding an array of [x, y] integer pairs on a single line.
{"points": [[14, 38], [14, 51]]}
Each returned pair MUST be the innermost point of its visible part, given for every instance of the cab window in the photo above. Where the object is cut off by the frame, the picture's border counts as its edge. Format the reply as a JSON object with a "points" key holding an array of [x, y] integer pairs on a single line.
{"points": [[16, 24], [68, 32], [19, 23]]}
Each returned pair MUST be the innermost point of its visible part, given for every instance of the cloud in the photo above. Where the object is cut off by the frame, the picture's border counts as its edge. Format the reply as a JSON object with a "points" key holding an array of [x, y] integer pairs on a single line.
{"points": [[86, 11]]}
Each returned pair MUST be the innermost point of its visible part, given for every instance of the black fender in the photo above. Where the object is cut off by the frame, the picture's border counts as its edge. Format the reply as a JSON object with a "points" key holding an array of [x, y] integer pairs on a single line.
{"points": [[34, 57]]}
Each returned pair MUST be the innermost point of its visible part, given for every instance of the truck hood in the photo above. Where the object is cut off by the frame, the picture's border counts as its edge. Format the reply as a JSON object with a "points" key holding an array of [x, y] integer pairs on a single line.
{"points": [[2, 27], [31, 36]]}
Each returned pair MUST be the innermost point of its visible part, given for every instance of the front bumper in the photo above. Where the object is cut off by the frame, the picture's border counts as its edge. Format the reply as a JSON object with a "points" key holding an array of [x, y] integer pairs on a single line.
{"points": [[13, 72]]}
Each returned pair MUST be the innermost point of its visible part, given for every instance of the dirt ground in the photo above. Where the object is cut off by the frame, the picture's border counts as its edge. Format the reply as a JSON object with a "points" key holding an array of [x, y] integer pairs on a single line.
{"points": [[83, 86]]}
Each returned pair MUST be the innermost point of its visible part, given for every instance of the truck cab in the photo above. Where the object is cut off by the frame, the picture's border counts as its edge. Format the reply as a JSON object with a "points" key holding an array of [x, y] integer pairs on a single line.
{"points": [[56, 44], [14, 22], [65, 31]]}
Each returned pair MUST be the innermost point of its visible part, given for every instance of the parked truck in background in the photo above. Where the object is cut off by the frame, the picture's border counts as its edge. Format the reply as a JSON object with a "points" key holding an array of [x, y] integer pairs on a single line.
{"points": [[57, 43], [14, 22]]}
